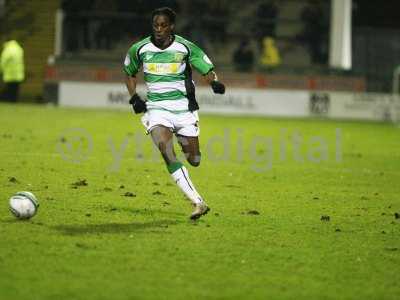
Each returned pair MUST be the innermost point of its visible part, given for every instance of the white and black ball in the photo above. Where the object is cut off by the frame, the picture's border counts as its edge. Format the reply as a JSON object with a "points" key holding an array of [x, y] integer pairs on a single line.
{"points": [[24, 205]]}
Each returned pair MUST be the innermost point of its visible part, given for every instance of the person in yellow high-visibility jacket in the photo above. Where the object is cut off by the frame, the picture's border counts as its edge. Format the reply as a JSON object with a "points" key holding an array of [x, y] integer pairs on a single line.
{"points": [[270, 56], [13, 69]]}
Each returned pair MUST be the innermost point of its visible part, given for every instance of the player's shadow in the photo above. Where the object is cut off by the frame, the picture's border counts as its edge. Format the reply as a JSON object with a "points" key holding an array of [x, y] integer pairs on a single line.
{"points": [[145, 211], [158, 226]]}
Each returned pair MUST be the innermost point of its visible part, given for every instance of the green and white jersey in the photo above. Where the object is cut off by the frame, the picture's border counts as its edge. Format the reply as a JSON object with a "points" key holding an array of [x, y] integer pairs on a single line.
{"points": [[165, 71]]}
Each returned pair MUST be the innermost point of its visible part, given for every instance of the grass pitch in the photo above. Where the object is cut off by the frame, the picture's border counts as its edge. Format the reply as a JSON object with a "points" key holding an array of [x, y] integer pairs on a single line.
{"points": [[301, 209]]}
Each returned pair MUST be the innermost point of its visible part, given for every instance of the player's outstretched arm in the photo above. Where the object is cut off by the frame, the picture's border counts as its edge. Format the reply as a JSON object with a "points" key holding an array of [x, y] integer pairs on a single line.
{"points": [[212, 79], [138, 105], [131, 82]]}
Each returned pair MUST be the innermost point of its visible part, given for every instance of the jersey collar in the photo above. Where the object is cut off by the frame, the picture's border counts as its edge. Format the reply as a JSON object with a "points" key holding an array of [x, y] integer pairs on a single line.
{"points": [[170, 43]]}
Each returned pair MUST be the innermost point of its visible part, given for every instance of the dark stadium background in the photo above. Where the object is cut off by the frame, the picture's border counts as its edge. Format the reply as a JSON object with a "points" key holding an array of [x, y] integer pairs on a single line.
{"points": [[96, 35]]}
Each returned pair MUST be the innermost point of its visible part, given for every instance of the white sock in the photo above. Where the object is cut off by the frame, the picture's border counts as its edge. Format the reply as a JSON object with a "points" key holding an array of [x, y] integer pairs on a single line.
{"points": [[181, 177]]}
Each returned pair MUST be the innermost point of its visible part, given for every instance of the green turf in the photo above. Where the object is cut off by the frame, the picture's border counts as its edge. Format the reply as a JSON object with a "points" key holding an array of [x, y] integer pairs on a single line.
{"points": [[263, 239]]}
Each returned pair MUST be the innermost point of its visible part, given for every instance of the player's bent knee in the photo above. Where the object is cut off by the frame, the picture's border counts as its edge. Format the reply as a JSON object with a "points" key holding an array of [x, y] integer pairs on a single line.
{"points": [[194, 160], [194, 163]]}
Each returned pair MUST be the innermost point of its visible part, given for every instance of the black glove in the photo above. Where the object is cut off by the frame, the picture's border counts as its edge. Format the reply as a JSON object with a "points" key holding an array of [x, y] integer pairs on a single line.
{"points": [[218, 87], [138, 105]]}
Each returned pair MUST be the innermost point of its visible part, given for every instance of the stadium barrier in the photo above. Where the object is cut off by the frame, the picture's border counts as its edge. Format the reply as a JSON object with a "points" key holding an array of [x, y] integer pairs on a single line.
{"points": [[248, 101]]}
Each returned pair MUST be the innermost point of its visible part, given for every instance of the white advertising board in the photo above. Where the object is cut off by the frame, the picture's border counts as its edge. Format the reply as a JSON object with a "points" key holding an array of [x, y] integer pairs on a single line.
{"points": [[285, 103], [235, 101], [357, 106], [255, 102], [93, 94]]}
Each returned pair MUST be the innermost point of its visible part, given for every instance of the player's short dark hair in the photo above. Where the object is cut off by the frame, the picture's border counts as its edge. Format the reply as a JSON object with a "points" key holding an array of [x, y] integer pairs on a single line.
{"points": [[165, 11]]}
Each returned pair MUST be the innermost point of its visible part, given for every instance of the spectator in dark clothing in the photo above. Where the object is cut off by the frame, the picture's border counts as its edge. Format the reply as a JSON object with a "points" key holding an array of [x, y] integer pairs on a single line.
{"points": [[104, 30], [142, 9], [315, 31], [194, 28], [216, 20], [267, 14], [243, 57], [76, 26]]}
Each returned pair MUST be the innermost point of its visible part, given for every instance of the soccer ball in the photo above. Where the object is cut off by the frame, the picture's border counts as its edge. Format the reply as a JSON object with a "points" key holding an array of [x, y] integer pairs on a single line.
{"points": [[24, 205]]}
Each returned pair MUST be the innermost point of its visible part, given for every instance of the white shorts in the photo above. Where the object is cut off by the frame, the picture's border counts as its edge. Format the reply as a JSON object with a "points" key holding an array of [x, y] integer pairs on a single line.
{"points": [[185, 124]]}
